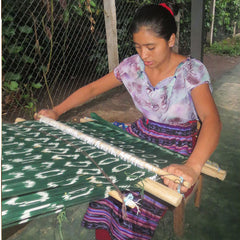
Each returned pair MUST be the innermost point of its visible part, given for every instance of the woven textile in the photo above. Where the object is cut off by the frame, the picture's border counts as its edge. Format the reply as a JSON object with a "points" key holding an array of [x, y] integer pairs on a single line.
{"points": [[106, 214], [45, 170]]}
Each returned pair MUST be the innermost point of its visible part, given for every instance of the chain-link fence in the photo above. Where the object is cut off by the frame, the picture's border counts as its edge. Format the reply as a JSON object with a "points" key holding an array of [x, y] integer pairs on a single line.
{"points": [[52, 47], [49, 50]]}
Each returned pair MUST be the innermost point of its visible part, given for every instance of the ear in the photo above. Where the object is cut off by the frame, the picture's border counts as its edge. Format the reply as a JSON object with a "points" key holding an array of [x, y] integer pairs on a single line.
{"points": [[171, 41]]}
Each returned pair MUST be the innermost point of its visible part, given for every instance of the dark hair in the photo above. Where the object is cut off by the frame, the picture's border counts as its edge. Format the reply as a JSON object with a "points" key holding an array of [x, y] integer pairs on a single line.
{"points": [[157, 18]]}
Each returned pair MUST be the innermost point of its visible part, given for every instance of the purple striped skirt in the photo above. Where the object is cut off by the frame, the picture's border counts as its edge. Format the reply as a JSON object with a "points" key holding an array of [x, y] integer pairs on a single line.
{"points": [[107, 214], [178, 138]]}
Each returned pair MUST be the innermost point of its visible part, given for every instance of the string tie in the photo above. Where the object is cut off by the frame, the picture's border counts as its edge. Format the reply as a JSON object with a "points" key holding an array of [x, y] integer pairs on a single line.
{"points": [[180, 184], [214, 165], [129, 201]]}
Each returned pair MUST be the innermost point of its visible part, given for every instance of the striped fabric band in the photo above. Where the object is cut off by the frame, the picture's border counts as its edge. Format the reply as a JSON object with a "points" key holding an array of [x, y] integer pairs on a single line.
{"points": [[180, 138], [107, 214]]}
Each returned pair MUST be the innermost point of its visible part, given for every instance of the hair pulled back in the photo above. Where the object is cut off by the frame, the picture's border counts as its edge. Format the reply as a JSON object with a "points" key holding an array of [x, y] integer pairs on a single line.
{"points": [[157, 19]]}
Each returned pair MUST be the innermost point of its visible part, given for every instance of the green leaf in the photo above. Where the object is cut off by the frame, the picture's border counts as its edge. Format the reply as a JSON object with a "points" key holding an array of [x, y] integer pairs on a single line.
{"points": [[93, 4], [101, 41], [66, 16], [25, 29], [10, 76], [27, 59], [9, 32], [14, 49], [37, 85], [13, 85], [26, 96], [43, 68], [78, 10], [8, 18], [30, 105]]}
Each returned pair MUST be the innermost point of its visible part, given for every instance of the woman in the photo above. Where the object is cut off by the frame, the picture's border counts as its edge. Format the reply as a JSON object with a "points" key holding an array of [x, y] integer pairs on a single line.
{"points": [[172, 91]]}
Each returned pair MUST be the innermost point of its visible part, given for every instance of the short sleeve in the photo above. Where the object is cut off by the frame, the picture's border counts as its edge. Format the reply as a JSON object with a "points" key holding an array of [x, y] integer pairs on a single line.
{"points": [[117, 73], [122, 69], [129, 68], [196, 74]]}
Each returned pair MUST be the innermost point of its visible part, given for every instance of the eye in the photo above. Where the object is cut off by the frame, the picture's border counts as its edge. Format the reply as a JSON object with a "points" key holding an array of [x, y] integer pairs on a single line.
{"points": [[151, 48]]}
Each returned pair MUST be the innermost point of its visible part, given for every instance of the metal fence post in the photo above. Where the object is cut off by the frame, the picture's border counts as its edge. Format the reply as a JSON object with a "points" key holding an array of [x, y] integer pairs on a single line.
{"points": [[197, 13], [111, 33]]}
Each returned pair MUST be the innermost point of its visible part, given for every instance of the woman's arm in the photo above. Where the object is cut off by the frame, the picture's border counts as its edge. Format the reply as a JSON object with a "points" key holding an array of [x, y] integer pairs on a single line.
{"points": [[210, 130], [82, 95], [207, 140]]}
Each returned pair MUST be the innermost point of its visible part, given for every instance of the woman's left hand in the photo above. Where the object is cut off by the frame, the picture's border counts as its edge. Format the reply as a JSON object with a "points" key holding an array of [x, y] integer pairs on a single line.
{"points": [[186, 171]]}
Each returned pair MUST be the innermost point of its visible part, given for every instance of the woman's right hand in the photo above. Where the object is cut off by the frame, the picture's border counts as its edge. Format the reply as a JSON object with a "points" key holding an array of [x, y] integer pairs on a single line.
{"points": [[50, 113]]}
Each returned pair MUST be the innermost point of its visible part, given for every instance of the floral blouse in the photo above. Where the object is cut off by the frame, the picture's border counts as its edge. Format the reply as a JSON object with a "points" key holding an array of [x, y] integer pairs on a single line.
{"points": [[170, 101]]}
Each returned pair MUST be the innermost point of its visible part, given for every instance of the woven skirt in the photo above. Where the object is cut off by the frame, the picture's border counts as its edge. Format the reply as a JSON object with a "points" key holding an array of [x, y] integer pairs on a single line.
{"points": [[138, 224], [178, 138]]}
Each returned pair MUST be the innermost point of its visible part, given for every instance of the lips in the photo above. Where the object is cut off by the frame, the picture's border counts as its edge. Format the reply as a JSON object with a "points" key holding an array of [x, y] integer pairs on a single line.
{"points": [[148, 63]]}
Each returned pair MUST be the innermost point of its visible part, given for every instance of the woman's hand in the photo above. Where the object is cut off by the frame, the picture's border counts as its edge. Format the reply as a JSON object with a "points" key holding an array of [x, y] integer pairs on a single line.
{"points": [[186, 171], [50, 113]]}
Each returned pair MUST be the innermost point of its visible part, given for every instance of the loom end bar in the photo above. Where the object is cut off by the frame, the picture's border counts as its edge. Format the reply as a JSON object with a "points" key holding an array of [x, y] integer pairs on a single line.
{"points": [[214, 172], [156, 189], [161, 191], [17, 120]]}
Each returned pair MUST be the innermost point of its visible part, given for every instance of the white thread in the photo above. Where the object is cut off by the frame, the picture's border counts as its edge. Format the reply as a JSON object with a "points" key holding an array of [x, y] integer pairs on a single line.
{"points": [[117, 152], [129, 201]]}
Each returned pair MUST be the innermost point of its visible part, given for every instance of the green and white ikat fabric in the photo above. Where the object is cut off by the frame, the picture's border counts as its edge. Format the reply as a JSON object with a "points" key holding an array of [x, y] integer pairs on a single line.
{"points": [[44, 170]]}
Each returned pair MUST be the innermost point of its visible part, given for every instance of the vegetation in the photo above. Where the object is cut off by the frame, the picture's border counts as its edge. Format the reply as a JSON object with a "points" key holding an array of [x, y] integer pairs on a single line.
{"points": [[229, 46], [34, 34]]}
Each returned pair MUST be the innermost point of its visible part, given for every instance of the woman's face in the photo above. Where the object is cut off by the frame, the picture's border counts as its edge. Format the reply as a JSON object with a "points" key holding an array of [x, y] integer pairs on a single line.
{"points": [[152, 49]]}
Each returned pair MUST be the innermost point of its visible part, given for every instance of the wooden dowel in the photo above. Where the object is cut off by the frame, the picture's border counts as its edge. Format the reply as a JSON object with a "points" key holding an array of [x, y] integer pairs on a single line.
{"points": [[215, 172], [161, 191], [156, 189]]}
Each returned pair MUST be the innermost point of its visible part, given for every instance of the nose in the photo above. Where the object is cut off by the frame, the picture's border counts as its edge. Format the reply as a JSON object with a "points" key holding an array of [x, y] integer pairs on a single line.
{"points": [[143, 53]]}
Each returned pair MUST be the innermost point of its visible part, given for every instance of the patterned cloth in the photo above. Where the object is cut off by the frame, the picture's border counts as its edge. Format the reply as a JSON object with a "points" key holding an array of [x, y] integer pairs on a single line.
{"points": [[170, 100], [107, 214], [180, 138]]}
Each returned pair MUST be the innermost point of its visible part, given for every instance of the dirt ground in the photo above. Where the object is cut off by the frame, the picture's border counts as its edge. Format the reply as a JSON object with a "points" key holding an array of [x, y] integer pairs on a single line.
{"points": [[117, 105]]}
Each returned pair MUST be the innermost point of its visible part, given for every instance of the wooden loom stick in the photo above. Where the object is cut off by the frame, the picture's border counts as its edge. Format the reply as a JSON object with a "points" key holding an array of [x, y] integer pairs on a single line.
{"points": [[156, 189], [117, 152], [214, 171]]}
